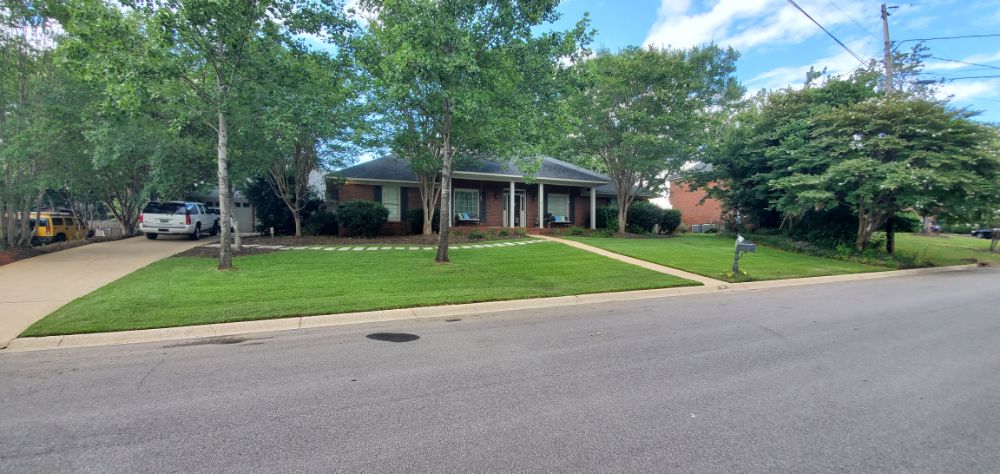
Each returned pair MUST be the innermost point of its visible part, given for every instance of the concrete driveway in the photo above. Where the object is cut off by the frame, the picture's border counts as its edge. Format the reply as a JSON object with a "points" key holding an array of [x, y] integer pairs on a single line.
{"points": [[32, 288]]}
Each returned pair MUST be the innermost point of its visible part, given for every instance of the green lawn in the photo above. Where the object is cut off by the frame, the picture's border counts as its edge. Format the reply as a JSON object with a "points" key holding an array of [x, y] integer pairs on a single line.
{"points": [[712, 256], [946, 249], [183, 291]]}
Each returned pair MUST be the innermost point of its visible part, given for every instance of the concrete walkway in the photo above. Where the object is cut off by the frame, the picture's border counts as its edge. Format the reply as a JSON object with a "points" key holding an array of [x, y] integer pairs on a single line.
{"points": [[711, 282], [32, 288]]}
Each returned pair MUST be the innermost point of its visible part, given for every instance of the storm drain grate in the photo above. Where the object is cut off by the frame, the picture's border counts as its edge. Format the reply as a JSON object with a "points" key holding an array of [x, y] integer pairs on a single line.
{"points": [[393, 336]]}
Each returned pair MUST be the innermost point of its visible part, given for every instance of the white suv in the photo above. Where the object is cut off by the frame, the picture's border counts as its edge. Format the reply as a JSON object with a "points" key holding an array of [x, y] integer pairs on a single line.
{"points": [[177, 217]]}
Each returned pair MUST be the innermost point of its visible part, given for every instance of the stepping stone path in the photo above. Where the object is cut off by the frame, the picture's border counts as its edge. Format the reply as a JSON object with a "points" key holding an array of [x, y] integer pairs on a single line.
{"points": [[389, 247]]}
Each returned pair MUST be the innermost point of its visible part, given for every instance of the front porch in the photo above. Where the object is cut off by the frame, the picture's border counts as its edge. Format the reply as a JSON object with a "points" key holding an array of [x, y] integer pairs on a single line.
{"points": [[536, 206]]}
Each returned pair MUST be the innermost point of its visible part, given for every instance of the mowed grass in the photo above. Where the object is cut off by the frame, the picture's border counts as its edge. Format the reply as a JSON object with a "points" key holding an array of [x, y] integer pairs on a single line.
{"points": [[184, 291], [946, 249], [712, 256]]}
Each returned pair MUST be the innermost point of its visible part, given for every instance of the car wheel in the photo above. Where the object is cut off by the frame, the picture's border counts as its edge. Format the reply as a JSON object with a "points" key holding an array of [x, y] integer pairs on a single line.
{"points": [[197, 232], [151, 235], [215, 229], [59, 238]]}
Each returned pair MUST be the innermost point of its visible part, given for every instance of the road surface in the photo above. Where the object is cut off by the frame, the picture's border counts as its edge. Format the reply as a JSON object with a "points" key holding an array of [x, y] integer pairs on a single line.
{"points": [[900, 374]]}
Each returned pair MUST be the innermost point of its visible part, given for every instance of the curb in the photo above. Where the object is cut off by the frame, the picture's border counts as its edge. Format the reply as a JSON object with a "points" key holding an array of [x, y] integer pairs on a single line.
{"points": [[28, 344]]}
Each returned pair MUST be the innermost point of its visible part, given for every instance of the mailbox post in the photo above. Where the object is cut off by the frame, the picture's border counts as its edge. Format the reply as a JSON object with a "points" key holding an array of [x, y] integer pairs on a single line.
{"points": [[742, 246]]}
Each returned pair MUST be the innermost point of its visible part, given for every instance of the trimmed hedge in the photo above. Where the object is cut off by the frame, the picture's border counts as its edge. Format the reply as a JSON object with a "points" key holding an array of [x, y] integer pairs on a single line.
{"points": [[362, 218]]}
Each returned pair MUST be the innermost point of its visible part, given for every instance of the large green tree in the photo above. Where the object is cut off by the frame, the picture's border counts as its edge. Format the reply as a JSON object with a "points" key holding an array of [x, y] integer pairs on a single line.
{"points": [[28, 79], [310, 115], [204, 59], [888, 154], [769, 138], [643, 112], [462, 77]]}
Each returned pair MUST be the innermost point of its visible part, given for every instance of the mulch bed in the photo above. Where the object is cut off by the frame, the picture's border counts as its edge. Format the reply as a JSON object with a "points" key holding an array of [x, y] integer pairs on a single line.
{"points": [[332, 241], [15, 254]]}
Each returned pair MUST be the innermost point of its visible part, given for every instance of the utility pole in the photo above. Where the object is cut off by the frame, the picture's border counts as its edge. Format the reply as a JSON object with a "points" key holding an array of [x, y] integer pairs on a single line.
{"points": [[888, 50], [890, 231]]}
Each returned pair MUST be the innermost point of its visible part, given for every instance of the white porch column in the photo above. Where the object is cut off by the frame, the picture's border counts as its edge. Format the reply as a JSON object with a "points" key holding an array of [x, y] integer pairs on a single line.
{"points": [[541, 205], [451, 202], [593, 208], [510, 205]]}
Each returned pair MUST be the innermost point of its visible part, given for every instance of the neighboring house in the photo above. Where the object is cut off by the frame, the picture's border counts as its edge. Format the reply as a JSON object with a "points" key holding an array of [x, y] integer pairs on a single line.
{"points": [[692, 202], [484, 192]]}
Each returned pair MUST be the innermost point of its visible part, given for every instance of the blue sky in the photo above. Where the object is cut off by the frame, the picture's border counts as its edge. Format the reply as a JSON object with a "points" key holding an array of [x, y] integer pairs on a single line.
{"points": [[778, 44]]}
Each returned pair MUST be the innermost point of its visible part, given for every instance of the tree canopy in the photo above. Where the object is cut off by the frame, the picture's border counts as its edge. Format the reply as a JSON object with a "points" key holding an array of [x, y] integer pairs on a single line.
{"points": [[463, 77], [643, 112]]}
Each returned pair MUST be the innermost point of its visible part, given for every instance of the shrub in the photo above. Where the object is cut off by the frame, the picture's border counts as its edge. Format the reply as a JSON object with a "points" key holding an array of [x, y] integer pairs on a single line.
{"points": [[476, 235], [607, 218], [634, 229], [575, 230], [643, 216], [520, 232], [503, 233], [670, 219], [362, 218], [321, 223], [415, 217]]}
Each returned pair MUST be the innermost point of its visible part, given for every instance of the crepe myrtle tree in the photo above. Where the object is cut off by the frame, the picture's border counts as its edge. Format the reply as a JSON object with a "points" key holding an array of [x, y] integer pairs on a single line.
{"points": [[463, 77], [643, 112]]}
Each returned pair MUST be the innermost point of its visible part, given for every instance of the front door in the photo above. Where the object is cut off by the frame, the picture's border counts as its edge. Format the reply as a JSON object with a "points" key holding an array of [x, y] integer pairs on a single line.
{"points": [[519, 208]]}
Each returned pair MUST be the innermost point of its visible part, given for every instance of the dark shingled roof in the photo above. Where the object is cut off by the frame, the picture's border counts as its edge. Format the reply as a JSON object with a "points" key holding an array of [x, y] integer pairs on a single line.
{"points": [[391, 168]]}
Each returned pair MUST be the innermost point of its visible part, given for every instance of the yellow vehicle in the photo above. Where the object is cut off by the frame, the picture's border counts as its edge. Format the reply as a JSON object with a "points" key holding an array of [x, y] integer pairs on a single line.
{"points": [[51, 227]]}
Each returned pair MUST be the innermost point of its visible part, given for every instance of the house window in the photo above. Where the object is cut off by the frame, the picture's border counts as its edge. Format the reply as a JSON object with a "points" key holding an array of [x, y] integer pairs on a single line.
{"points": [[390, 199], [467, 201], [559, 205]]}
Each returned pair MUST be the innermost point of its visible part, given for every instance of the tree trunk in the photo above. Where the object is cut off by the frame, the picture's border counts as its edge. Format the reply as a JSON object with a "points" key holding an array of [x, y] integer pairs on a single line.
{"points": [[890, 237], [298, 223], [446, 157], [429, 191], [445, 224], [225, 200]]}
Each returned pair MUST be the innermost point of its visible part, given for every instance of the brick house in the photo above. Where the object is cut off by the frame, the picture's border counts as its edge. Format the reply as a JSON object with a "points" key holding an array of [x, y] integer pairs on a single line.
{"points": [[484, 192], [695, 207]]}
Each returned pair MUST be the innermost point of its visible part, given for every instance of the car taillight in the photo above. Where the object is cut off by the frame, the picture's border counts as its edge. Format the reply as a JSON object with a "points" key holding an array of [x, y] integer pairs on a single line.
{"points": [[187, 218], [141, 218]]}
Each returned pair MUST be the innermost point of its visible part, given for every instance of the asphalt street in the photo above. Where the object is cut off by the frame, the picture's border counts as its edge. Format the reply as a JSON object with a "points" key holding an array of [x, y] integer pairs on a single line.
{"points": [[891, 375]]}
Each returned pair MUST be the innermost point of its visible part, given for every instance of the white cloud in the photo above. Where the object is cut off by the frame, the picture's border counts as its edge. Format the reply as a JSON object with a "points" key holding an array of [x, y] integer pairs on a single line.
{"points": [[969, 91], [840, 63], [744, 24]]}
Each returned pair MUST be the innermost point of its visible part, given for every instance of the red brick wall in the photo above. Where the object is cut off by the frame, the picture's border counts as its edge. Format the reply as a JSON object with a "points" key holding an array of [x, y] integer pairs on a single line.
{"points": [[688, 201], [492, 192]]}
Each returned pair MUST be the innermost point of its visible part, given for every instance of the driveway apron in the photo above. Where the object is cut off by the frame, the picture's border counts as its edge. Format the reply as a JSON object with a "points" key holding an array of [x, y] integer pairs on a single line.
{"points": [[32, 288]]}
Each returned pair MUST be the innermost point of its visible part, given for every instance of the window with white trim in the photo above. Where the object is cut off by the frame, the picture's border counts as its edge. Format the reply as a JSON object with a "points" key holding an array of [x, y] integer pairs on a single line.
{"points": [[390, 199], [559, 205], [467, 201]]}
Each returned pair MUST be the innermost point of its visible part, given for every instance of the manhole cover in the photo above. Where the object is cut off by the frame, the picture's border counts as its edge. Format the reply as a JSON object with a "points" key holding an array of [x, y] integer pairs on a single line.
{"points": [[393, 336]]}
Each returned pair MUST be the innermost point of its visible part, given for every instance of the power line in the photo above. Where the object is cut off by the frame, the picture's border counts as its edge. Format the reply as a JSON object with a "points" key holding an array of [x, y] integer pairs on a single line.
{"points": [[949, 79], [989, 35], [863, 27], [841, 43], [964, 62]]}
